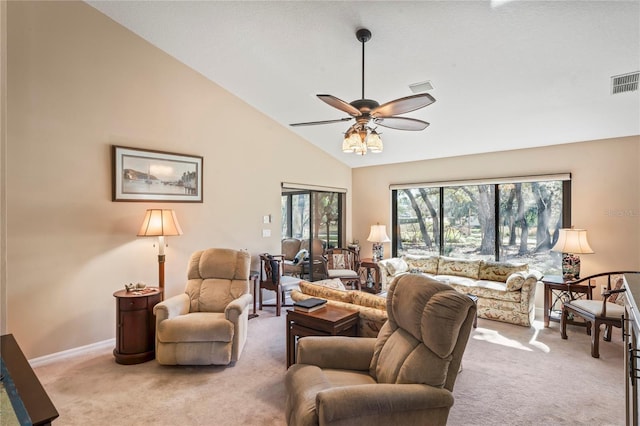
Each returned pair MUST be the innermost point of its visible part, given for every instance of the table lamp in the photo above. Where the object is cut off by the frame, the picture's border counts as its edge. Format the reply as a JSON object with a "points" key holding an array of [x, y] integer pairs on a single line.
{"points": [[160, 223], [571, 243], [377, 236]]}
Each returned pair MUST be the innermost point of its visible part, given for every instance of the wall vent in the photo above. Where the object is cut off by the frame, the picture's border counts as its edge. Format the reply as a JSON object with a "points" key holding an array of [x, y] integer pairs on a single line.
{"points": [[425, 86], [625, 82]]}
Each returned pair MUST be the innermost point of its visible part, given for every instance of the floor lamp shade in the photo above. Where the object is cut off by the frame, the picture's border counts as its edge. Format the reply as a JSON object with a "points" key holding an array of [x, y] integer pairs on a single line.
{"points": [[377, 236], [160, 223], [571, 243]]}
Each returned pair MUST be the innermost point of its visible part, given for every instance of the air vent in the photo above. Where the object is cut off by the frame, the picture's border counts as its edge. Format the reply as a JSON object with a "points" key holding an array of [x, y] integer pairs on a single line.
{"points": [[625, 82], [425, 86]]}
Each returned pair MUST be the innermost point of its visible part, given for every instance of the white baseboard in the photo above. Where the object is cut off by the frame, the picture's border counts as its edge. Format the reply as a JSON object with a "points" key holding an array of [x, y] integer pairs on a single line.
{"points": [[44, 360]]}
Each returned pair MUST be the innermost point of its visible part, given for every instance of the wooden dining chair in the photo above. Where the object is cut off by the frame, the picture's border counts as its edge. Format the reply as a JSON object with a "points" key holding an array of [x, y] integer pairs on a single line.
{"points": [[271, 278]]}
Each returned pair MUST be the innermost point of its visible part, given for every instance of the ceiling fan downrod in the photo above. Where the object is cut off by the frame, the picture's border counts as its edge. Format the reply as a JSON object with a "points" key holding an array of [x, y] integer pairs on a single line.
{"points": [[364, 35]]}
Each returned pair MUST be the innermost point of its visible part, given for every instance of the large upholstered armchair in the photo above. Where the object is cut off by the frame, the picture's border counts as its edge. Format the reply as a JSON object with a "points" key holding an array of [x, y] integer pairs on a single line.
{"points": [[405, 376], [207, 324]]}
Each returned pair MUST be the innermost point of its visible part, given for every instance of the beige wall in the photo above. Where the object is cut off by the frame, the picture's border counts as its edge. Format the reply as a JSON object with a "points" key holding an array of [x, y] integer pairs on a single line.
{"points": [[78, 82], [605, 192]]}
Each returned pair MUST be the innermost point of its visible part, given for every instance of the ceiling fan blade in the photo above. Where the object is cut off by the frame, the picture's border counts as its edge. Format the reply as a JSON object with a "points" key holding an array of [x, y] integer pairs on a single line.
{"points": [[340, 104], [313, 123], [401, 123], [403, 105]]}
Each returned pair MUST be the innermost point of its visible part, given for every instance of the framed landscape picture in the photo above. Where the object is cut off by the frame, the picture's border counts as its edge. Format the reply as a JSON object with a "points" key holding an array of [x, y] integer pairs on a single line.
{"points": [[146, 175]]}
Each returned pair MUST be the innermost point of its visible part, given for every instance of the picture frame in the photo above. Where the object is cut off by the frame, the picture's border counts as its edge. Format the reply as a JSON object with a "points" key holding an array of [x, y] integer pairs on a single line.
{"points": [[148, 175]]}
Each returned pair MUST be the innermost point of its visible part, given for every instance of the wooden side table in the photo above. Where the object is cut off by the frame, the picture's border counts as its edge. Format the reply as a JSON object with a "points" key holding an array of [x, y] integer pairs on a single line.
{"points": [[329, 321], [370, 276], [555, 288], [135, 325]]}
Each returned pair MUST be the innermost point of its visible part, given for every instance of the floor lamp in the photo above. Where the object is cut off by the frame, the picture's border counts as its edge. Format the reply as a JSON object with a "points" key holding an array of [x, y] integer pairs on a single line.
{"points": [[160, 223]]}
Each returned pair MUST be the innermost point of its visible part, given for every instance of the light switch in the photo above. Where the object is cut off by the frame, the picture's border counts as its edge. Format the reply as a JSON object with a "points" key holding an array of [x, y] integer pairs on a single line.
{"points": [[266, 232], [266, 218]]}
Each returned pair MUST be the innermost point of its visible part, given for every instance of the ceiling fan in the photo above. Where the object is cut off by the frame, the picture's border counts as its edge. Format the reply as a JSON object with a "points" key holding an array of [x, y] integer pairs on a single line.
{"points": [[360, 137]]}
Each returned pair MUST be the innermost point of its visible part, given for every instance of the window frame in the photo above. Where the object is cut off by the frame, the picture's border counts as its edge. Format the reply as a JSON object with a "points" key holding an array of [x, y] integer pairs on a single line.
{"points": [[565, 178]]}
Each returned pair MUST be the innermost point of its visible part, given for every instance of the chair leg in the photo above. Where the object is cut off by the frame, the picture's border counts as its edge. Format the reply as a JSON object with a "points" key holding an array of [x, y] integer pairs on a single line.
{"points": [[607, 333], [595, 340], [278, 301], [563, 322], [260, 298]]}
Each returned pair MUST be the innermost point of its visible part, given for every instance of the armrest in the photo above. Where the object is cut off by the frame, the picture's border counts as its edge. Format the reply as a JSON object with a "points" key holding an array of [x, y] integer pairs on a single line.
{"points": [[606, 294], [535, 274], [235, 308], [336, 405], [172, 307], [336, 352]]}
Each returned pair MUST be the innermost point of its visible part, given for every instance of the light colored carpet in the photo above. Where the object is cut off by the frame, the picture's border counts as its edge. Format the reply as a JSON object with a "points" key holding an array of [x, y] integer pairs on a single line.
{"points": [[511, 376]]}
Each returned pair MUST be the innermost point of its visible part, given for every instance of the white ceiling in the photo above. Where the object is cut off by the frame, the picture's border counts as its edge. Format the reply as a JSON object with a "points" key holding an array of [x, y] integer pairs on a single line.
{"points": [[506, 74]]}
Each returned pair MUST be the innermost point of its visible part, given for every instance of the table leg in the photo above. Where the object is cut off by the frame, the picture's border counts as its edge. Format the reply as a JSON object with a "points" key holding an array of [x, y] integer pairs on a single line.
{"points": [[547, 305], [290, 345], [255, 278]]}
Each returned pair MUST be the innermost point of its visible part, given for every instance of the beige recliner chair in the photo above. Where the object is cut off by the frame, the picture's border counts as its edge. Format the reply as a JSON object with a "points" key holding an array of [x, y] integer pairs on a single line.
{"points": [[207, 324], [405, 376]]}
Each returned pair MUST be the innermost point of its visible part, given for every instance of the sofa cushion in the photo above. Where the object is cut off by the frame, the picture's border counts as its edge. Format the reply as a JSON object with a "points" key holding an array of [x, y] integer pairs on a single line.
{"points": [[424, 264], [324, 292], [459, 267], [499, 271], [196, 327], [369, 300], [481, 288], [394, 265]]}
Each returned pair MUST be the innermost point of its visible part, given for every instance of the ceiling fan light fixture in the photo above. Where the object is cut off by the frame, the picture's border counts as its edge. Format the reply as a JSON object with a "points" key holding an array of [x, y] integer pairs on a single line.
{"points": [[360, 137], [347, 143], [355, 141], [374, 142]]}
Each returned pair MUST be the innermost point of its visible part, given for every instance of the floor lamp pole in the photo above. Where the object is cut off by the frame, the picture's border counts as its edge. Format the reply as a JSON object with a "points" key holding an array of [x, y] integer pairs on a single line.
{"points": [[161, 275]]}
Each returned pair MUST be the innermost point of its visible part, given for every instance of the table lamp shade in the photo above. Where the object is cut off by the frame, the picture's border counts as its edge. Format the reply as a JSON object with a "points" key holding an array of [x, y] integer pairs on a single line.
{"points": [[158, 222], [572, 242], [377, 236]]}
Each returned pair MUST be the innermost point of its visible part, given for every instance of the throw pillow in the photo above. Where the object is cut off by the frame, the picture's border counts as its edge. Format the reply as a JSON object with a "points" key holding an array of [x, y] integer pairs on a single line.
{"points": [[617, 298], [515, 281], [395, 265], [338, 261], [301, 255]]}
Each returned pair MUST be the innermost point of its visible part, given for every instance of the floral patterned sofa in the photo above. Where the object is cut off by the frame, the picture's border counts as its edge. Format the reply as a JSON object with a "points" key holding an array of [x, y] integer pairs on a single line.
{"points": [[505, 291], [372, 308]]}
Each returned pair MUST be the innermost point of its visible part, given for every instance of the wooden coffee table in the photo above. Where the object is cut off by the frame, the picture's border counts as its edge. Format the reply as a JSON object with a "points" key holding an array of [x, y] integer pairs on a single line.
{"points": [[328, 321]]}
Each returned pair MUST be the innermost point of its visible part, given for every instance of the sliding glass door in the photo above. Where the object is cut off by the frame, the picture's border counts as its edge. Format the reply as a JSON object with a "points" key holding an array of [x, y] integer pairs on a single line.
{"points": [[315, 216]]}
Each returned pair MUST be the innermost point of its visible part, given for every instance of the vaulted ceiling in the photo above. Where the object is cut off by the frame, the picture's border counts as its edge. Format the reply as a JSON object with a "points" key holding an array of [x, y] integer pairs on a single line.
{"points": [[505, 74]]}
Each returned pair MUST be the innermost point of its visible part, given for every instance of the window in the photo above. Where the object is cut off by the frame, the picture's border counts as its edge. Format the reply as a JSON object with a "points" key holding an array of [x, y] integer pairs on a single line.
{"points": [[506, 220]]}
